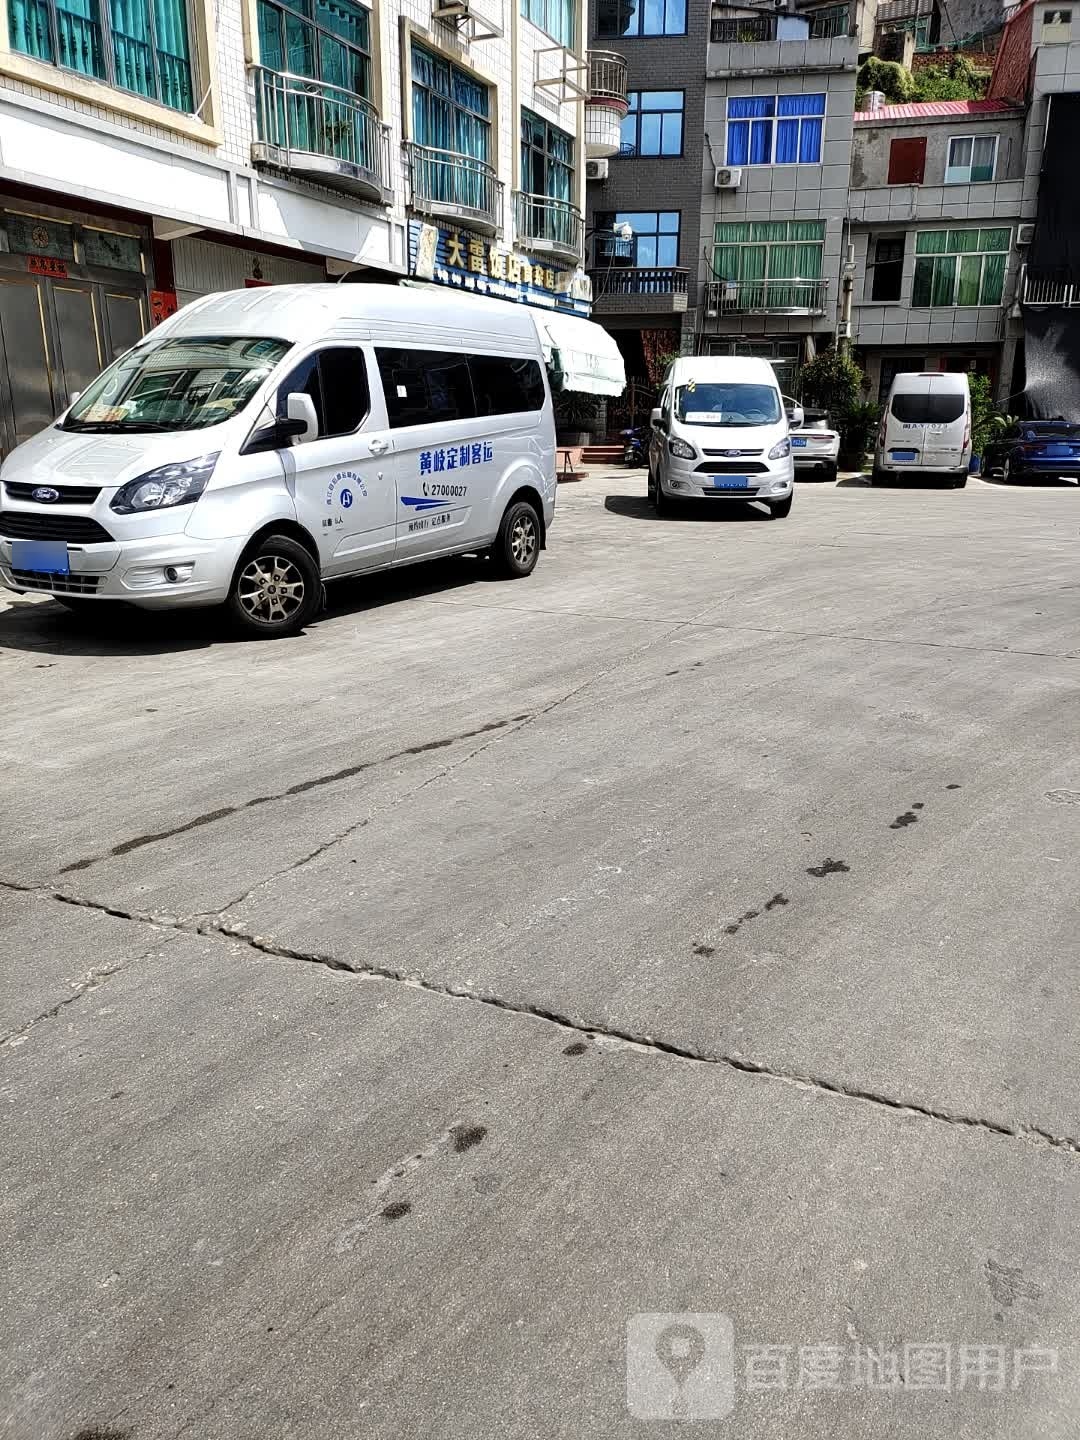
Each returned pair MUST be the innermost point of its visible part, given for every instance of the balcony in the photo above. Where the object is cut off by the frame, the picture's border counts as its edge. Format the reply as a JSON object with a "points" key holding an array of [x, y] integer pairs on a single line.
{"points": [[545, 226], [766, 297], [656, 289], [449, 186], [321, 132], [743, 30], [606, 104], [1042, 290]]}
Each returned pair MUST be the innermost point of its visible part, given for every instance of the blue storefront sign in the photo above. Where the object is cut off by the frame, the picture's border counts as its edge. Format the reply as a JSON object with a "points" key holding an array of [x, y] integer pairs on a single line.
{"points": [[467, 261]]}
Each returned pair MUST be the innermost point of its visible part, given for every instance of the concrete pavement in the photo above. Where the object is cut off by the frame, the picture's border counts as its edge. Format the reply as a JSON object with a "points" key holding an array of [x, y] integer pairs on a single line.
{"points": [[395, 1012]]}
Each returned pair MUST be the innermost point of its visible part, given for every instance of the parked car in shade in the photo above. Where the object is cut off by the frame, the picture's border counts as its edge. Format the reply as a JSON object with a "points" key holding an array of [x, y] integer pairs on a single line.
{"points": [[815, 445], [1035, 450]]}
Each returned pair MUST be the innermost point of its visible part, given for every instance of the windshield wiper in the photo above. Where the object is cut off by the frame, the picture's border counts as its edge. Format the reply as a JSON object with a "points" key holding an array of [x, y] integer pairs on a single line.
{"points": [[117, 427]]}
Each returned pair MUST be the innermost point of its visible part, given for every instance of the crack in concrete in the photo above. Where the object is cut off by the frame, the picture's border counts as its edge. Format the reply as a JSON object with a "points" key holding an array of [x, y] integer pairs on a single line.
{"points": [[209, 817], [614, 1036], [94, 979]]}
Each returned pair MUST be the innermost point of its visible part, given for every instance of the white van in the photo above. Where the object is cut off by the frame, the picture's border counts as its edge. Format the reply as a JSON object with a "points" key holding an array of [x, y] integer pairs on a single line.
{"points": [[262, 441], [720, 432], [925, 428]]}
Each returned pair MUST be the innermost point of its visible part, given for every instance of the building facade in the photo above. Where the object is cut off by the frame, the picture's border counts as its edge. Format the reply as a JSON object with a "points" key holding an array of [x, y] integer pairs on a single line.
{"points": [[936, 211], [158, 150]]}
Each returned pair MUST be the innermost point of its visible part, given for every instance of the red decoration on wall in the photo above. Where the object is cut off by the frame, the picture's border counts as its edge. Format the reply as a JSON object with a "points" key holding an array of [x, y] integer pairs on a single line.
{"points": [[163, 303]]}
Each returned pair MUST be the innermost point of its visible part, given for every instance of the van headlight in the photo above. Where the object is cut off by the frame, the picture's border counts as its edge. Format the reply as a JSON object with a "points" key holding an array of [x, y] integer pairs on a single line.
{"points": [[781, 450], [681, 450], [180, 484]]}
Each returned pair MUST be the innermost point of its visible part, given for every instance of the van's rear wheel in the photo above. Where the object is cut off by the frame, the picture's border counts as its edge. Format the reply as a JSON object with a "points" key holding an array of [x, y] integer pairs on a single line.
{"points": [[517, 545], [276, 590]]}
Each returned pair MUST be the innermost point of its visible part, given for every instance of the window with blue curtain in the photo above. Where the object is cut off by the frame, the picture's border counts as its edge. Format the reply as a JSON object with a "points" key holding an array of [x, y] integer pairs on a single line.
{"points": [[775, 129], [653, 124], [138, 45], [554, 17]]}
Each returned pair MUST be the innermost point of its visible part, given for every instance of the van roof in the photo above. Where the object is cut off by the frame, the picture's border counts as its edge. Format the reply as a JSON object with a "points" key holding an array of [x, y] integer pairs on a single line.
{"points": [[357, 311], [749, 368], [921, 382]]}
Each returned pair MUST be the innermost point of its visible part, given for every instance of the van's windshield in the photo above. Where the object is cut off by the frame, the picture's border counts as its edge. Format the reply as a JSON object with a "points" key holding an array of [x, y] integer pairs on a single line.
{"points": [[727, 404], [183, 384], [937, 408]]}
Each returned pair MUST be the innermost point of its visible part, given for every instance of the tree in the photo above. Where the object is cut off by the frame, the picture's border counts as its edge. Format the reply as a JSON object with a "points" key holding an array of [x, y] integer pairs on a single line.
{"points": [[833, 381]]}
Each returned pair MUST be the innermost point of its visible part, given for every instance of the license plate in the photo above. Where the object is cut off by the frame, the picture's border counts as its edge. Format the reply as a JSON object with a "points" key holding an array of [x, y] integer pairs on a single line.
{"points": [[798, 444], [730, 482], [902, 454], [48, 557]]}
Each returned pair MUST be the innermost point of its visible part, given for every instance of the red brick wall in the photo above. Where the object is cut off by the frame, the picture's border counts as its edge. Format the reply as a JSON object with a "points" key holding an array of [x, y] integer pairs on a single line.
{"points": [[1012, 68]]}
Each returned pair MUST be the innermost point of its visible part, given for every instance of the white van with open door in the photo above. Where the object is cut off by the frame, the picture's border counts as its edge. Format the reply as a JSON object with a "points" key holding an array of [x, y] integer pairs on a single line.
{"points": [[925, 428]]}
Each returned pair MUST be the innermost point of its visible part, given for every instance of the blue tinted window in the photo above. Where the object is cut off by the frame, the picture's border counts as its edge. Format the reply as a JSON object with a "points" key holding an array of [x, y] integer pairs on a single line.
{"points": [[654, 123], [616, 18]]}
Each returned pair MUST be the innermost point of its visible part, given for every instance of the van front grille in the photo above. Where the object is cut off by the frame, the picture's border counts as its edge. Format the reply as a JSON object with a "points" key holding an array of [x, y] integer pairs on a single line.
{"points": [[65, 494], [56, 584], [35, 525], [732, 467]]}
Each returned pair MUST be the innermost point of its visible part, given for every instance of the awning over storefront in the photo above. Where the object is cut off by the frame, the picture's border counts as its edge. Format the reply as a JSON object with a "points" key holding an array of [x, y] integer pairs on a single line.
{"points": [[581, 355]]}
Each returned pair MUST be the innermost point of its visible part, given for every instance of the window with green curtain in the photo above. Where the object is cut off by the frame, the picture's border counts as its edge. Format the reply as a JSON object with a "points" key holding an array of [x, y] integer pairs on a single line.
{"points": [[960, 267], [769, 258], [138, 45]]}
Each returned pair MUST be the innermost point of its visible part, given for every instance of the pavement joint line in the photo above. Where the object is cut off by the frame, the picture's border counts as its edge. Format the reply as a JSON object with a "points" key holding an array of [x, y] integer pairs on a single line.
{"points": [[603, 1035]]}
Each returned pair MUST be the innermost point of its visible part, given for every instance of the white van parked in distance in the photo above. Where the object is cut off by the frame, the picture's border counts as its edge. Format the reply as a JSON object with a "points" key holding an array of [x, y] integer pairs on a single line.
{"points": [[262, 441], [925, 428], [720, 433]]}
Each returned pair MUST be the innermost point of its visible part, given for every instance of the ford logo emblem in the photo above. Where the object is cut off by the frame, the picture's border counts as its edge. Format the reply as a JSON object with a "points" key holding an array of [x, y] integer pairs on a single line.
{"points": [[45, 495]]}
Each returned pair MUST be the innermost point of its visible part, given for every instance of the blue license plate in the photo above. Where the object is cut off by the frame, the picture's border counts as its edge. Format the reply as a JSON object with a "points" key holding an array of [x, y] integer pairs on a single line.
{"points": [[730, 482], [902, 454], [48, 557], [798, 443]]}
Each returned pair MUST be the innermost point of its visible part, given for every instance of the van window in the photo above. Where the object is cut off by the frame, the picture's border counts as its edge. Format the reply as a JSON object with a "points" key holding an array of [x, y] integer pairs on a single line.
{"points": [[425, 387], [504, 387], [182, 384], [938, 408], [724, 403], [337, 382]]}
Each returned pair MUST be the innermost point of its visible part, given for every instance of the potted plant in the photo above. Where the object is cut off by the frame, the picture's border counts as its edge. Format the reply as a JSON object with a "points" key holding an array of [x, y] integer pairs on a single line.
{"points": [[576, 415]]}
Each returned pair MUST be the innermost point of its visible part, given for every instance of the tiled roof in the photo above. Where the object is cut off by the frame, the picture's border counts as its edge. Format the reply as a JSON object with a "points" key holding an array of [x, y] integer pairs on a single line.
{"points": [[934, 107]]}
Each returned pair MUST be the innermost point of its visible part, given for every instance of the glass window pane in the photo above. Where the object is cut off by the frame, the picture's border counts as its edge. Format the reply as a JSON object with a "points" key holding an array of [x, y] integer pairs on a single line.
{"points": [[960, 152], [923, 282], [650, 135], [967, 291], [731, 232], [133, 54], [652, 17], [79, 38], [675, 20], [738, 142], [672, 141], [667, 250], [931, 242], [628, 131], [943, 291], [963, 242], [661, 99], [646, 249], [994, 239], [993, 279], [669, 221]]}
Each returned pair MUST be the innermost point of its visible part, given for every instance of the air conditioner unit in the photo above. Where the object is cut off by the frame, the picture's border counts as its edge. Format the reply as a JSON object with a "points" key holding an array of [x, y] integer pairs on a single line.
{"points": [[1025, 234], [596, 169], [727, 177]]}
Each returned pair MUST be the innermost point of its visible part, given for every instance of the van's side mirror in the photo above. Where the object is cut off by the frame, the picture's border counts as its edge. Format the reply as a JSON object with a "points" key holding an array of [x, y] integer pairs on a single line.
{"points": [[301, 408], [656, 417], [278, 435], [796, 416]]}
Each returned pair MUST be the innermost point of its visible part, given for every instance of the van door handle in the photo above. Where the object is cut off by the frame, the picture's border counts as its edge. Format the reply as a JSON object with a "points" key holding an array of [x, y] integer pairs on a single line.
{"points": [[377, 446]]}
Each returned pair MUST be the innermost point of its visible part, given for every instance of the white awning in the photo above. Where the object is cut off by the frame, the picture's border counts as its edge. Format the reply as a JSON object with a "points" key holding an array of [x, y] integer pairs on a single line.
{"points": [[582, 355]]}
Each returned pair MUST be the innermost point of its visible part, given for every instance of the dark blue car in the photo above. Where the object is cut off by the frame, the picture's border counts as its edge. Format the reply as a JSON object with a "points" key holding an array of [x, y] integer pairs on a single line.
{"points": [[1035, 450]]}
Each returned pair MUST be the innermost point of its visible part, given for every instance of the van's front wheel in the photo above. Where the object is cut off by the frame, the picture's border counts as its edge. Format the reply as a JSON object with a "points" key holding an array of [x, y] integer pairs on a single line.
{"points": [[517, 545], [276, 590]]}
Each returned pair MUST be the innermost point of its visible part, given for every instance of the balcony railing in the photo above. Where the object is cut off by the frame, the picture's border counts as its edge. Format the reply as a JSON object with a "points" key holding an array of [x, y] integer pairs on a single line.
{"points": [[607, 78], [1041, 290], [743, 30], [445, 184], [321, 131], [546, 226], [762, 297], [641, 280]]}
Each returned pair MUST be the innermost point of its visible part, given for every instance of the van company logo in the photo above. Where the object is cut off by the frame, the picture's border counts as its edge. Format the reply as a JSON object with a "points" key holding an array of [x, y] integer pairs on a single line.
{"points": [[45, 495], [346, 485]]}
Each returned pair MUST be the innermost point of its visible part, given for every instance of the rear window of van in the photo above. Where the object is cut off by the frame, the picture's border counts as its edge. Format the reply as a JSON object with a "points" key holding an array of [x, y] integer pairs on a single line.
{"points": [[937, 408]]}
